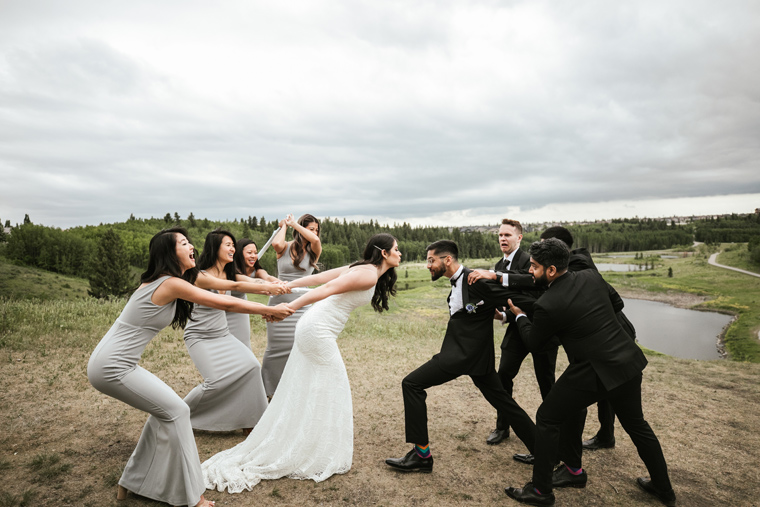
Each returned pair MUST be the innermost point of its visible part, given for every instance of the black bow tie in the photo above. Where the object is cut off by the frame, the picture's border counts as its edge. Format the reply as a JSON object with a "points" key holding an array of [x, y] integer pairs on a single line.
{"points": [[454, 280]]}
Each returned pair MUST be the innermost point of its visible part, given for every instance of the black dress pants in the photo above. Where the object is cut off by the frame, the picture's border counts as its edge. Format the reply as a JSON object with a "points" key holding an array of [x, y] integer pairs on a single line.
{"points": [[431, 374], [559, 429], [513, 354]]}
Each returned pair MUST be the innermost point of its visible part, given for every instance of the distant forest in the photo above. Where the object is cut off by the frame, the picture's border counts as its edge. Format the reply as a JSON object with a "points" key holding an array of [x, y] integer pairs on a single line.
{"points": [[73, 251]]}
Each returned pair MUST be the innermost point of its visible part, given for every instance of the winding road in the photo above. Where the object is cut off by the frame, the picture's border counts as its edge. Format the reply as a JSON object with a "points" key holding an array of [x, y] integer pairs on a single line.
{"points": [[712, 262]]}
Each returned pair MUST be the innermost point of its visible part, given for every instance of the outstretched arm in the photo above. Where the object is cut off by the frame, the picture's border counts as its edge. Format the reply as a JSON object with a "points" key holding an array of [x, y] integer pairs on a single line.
{"points": [[319, 278], [360, 278], [176, 288], [262, 287], [205, 281]]}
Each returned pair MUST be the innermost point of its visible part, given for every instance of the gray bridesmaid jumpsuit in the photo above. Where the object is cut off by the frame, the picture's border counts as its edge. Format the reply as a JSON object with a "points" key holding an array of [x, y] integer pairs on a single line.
{"points": [[280, 335], [165, 465], [240, 323], [232, 394]]}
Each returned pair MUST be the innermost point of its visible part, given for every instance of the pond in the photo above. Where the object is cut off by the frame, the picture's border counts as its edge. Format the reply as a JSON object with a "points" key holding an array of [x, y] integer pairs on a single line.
{"points": [[619, 267], [688, 334]]}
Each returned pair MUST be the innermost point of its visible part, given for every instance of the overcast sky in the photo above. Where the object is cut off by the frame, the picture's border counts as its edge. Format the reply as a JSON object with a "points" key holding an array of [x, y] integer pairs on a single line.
{"points": [[430, 112]]}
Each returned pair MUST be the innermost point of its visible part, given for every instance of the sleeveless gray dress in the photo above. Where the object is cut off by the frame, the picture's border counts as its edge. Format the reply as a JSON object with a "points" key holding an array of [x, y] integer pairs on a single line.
{"points": [[232, 394], [165, 465], [240, 323], [280, 335]]}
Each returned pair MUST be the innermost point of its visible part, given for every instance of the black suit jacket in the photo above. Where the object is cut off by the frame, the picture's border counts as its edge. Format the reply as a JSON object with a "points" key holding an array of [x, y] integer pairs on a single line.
{"points": [[577, 309], [580, 259], [520, 265], [467, 347]]}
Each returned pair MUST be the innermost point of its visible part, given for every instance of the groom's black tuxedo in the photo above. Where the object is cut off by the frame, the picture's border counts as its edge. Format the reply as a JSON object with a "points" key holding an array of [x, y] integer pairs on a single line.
{"points": [[604, 364], [467, 349]]}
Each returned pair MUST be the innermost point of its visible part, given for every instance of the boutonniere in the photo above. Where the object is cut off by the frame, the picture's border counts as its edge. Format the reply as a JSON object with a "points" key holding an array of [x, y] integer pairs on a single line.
{"points": [[472, 308]]}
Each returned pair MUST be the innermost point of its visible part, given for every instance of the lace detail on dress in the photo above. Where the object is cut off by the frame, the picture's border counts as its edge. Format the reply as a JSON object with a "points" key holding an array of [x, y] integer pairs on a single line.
{"points": [[307, 431]]}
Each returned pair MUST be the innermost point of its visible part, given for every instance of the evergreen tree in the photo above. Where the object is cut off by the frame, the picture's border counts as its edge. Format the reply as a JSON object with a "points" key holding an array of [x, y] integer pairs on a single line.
{"points": [[168, 218], [27, 220], [191, 219], [109, 274], [177, 219]]}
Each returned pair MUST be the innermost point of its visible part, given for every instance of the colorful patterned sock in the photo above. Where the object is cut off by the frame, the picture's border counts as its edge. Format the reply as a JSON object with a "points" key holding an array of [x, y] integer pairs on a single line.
{"points": [[423, 451], [574, 471]]}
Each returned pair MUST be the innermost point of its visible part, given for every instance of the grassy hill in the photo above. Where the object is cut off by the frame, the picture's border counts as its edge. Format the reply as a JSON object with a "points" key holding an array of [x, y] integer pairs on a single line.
{"points": [[22, 282]]}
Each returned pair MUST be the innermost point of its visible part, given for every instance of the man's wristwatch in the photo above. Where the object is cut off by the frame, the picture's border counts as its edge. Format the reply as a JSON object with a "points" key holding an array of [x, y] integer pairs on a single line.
{"points": [[500, 277]]}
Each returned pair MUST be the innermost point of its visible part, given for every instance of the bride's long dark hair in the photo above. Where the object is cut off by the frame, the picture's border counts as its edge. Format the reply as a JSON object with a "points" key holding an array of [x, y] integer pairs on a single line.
{"points": [[386, 284]]}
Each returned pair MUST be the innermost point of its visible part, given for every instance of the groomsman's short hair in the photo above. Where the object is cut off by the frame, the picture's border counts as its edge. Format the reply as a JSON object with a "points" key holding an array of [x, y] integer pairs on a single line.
{"points": [[550, 252], [558, 232], [445, 247], [514, 223]]}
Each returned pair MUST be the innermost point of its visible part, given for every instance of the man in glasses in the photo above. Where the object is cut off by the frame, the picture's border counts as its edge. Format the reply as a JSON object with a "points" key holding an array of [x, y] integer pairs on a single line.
{"points": [[467, 349]]}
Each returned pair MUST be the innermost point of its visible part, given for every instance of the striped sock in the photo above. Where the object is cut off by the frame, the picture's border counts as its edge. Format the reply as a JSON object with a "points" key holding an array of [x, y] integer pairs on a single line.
{"points": [[574, 471], [423, 451]]}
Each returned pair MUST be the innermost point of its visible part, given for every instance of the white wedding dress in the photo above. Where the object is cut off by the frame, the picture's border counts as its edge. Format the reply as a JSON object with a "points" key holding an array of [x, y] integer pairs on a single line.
{"points": [[307, 432]]}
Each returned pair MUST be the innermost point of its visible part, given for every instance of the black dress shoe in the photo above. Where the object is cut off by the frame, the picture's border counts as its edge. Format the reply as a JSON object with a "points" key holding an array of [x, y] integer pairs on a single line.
{"points": [[563, 478], [527, 494], [667, 497], [593, 443], [411, 463], [528, 459], [497, 436]]}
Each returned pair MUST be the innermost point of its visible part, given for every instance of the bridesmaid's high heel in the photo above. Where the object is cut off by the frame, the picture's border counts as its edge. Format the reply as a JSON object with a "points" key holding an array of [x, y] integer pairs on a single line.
{"points": [[121, 492]]}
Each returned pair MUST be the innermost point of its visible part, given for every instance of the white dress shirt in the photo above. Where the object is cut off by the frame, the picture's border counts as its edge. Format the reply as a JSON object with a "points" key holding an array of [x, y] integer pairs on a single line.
{"points": [[456, 302]]}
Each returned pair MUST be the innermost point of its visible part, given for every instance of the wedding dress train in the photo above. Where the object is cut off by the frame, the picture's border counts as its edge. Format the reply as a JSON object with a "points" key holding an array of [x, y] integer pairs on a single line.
{"points": [[307, 430]]}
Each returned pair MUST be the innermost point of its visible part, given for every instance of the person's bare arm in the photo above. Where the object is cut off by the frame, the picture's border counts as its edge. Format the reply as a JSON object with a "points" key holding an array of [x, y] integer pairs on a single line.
{"points": [[357, 279], [176, 288]]}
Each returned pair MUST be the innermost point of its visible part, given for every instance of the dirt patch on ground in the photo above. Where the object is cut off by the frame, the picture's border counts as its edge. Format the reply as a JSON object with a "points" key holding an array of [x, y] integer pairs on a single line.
{"points": [[677, 299], [63, 443]]}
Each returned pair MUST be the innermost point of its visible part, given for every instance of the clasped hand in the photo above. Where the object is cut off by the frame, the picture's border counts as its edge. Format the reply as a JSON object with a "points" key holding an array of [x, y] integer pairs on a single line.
{"points": [[278, 313]]}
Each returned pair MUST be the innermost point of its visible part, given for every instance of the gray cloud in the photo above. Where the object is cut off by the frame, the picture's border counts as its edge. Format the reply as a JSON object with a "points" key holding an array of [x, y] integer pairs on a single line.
{"points": [[390, 109]]}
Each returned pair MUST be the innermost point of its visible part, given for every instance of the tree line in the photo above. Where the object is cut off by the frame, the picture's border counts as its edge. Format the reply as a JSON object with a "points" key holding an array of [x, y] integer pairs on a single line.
{"points": [[626, 235], [106, 251]]}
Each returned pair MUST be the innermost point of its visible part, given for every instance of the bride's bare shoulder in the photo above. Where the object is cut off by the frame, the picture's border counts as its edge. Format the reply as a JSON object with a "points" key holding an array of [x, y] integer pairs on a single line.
{"points": [[364, 276]]}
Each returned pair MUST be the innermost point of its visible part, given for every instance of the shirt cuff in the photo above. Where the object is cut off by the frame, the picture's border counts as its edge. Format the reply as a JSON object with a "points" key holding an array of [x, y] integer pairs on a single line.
{"points": [[505, 280], [521, 315]]}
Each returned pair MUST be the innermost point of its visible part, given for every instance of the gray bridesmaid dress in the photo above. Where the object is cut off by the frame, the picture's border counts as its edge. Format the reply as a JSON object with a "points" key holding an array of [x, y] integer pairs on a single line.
{"points": [[240, 323], [280, 335], [165, 465], [232, 394]]}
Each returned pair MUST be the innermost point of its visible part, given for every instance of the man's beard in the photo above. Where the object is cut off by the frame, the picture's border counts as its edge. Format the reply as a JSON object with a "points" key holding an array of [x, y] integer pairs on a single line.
{"points": [[435, 275], [541, 281]]}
